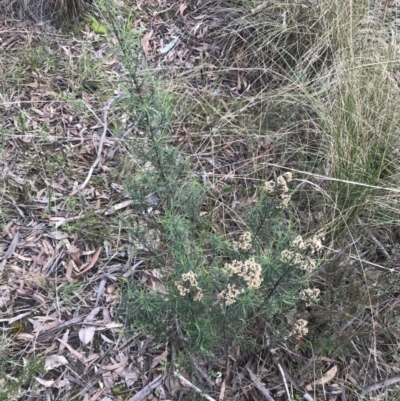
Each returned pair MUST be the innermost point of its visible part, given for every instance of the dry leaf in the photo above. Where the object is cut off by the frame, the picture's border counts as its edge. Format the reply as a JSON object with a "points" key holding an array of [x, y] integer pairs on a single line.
{"points": [[65, 340], [90, 317], [119, 206], [12, 246], [158, 359], [59, 235], [74, 352], [106, 339], [145, 42], [326, 378], [130, 377], [72, 249], [92, 357], [108, 379], [54, 361], [46, 383], [86, 334], [5, 298], [92, 262], [52, 383], [116, 365], [170, 45], [182, 7]]}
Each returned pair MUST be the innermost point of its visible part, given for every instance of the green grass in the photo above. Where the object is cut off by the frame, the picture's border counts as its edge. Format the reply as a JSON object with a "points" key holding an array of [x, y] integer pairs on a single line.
{"points": [[14, 372]]}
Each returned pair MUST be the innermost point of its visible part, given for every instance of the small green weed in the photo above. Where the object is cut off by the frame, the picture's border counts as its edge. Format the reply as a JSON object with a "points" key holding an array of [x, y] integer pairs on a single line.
{"points": [[13, 373], [68, 291]]}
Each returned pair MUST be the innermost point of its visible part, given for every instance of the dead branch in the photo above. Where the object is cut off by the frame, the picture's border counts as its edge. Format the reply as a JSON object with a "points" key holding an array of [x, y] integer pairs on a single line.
{"points": [[378, 385], [146, 390], [187, 383], [106, 110], [260, 387]]}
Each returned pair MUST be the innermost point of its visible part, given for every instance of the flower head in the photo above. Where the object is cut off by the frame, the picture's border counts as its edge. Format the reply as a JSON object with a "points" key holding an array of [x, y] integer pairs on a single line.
{"points": [[249, 270], [270, 186], [298, 243], [309, 295], [244, 243], [190, 279], [287, 176], [300, 329], [230, 294]]}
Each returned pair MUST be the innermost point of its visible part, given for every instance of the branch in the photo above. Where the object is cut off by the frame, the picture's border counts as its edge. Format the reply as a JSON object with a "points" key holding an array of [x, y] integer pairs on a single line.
{"points": [[100, 149], [146, 390], [187, 383], [260, 387]]}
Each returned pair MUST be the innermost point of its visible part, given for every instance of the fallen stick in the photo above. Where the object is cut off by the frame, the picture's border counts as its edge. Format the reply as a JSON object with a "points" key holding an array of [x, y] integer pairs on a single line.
{"points": [[187, 383], [288, 376], [378, 385], [101, 143], [146, 390], [260, 387]]}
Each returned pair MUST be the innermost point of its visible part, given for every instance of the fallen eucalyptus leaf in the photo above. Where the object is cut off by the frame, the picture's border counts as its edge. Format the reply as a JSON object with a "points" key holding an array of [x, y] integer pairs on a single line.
{"points": [[86, 334], [169, 46], [54, 361]]}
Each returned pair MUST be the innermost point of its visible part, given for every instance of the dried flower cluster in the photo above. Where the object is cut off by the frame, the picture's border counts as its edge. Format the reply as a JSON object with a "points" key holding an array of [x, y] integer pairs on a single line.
{"points": [[281, 188], [287, 176], [285, 199], [299, 243], [303, 262], [270, 186], [314, 245], [309, 295], [244, 243], [281, 185], [230, 294], [190, 278], [249, 270], [300, 329]]}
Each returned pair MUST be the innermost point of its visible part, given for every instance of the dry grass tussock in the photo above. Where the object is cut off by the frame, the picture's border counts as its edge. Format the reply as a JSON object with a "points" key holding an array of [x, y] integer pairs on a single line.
{"points": [[41, 10], [311, 88]]}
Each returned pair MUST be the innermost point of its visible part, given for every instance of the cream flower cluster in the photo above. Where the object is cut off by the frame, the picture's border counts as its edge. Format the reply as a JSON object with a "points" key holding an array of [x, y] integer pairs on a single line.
{"points": [[303, 262], [190, 278], [309, 295], [300, 329], [281, 188], [249, 270], [298, 242], [314, 245], [244, 243], [230, 294]]}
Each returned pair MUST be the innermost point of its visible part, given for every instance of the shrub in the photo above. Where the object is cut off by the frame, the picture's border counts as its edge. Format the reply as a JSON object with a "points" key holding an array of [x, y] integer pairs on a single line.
{"points": [[209, 282]]}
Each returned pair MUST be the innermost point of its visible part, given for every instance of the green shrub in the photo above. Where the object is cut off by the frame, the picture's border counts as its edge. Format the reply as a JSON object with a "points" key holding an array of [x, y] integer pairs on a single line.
{"points": [[202, 287]]}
